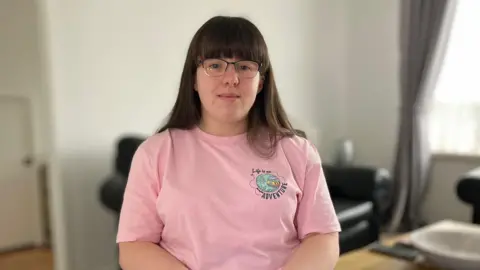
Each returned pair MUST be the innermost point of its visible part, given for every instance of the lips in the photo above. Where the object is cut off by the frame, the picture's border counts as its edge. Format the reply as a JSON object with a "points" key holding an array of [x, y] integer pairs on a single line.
{"points": [[228, 96]]}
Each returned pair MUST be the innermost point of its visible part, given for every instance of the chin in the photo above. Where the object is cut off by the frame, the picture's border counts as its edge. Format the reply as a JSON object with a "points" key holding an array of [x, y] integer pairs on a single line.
{"points": [[233, 118]]}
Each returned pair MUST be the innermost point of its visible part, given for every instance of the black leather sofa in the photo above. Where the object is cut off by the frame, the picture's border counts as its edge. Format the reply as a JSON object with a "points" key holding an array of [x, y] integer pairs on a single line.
{"points": [[360, 195], [468, 190]]}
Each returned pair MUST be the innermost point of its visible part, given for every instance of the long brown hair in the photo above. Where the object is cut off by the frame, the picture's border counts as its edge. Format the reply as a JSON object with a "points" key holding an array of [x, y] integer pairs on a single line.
{"points": [[229, 37]]}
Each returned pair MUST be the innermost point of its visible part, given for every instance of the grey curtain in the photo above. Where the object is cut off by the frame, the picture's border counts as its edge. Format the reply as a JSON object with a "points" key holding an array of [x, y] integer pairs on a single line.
{"points": [[421, 22]]}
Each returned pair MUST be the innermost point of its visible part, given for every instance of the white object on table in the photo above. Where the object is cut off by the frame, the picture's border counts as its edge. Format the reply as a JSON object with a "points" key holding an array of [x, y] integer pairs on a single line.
{"points": [[449, 244]]}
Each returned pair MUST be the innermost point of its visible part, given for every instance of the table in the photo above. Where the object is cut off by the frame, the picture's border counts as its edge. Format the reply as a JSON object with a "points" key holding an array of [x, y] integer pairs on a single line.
{"points": [[363, 259]]}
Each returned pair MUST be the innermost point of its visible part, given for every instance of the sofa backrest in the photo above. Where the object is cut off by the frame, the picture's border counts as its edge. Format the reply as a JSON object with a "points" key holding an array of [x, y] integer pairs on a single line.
{"points": [[126, 148]]}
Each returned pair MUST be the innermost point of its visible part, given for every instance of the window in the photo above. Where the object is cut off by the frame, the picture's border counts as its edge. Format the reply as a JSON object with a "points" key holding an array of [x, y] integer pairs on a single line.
{"points": [[455, 115]]}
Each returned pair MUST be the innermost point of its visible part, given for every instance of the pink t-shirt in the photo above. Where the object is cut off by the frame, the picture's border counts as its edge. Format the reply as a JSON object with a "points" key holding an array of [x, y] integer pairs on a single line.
{"points": [[215, 205]]}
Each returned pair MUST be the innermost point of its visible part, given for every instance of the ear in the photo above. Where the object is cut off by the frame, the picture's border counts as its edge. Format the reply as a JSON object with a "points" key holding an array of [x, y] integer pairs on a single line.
{"points": [[260, 84], [195, 87]]}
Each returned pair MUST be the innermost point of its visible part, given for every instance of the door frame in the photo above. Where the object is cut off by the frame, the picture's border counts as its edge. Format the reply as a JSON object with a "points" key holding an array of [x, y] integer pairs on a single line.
{"points": [[48, 87]]}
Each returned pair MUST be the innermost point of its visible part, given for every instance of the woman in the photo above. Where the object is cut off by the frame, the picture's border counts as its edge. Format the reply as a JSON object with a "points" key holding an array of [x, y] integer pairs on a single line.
{"points": [[226, 184]]}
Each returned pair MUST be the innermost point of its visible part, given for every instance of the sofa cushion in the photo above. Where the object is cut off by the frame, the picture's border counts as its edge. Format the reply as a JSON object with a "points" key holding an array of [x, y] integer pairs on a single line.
{"points": [[351, 212]]}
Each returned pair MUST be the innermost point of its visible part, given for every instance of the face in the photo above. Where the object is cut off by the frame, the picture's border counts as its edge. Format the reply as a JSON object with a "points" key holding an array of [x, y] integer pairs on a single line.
{"points": [[228, 97]]}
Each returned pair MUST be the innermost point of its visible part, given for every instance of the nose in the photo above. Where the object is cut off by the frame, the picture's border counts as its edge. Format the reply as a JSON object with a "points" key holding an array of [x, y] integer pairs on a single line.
{"points": [[230, 77]]}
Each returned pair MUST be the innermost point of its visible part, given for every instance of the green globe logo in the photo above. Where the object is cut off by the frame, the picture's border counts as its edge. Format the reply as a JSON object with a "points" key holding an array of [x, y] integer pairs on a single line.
{"points": [[267, 183]]}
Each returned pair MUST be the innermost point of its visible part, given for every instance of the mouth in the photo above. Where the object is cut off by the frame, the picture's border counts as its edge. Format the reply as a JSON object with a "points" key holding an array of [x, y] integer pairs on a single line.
{"points": [[228, 96]]}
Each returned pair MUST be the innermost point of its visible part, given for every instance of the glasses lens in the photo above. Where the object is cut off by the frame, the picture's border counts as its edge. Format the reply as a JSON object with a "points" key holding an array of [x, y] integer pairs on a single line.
{"points": [[247, 69], [214, 67], [217, 67]]}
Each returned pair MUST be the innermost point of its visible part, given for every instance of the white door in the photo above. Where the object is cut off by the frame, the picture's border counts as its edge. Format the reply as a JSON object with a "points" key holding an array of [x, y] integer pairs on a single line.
{"points": [[19, 224]]}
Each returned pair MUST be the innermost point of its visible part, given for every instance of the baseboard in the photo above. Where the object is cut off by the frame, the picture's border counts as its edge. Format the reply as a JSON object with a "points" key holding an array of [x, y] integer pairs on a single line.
{"points": [[19, 248]]}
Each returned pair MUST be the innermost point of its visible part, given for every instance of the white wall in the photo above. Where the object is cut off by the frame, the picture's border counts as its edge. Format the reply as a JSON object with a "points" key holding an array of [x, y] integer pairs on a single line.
{"points": [[373, 76], [21, 76], [115, 68], [330, 74], [372, 103], [20, 65]]}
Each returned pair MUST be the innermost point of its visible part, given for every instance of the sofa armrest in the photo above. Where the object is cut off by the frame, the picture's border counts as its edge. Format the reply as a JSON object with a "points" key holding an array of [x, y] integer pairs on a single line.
{"points": [[468, 187], [360, 183], [111, 192]]}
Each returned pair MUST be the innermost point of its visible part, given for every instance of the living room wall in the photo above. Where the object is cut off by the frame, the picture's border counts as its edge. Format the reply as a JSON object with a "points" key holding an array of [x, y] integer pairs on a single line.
{"points": [[114, 69], [373, 75], [20, 69]]}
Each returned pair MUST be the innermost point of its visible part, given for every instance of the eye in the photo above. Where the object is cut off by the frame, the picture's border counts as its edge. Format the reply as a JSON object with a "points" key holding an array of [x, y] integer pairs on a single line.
{"points": [[245, 67], [214, 66]]}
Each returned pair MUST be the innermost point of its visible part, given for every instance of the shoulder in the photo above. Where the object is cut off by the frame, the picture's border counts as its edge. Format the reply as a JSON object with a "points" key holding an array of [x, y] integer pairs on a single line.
{"points": [[300, 149], [163, 141], [155, 143]]}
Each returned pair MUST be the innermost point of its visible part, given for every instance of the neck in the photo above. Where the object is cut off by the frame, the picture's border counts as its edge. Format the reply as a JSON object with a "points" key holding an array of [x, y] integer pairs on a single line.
{"points": [[222, 128]]}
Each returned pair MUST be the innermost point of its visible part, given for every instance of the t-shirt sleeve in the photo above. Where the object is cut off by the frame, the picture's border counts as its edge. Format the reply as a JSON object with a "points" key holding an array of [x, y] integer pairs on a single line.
{"points": [[139, 220], [315, 213]]}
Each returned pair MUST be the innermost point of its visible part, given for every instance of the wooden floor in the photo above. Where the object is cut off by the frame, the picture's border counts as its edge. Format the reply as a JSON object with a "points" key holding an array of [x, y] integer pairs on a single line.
{"points": [[35, 259]]}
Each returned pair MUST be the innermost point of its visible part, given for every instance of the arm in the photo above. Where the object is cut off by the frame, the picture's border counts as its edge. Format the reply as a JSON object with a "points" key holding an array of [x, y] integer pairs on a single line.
{"points": [[316, 220], [140, 228], [147, 256], [316, 252]]}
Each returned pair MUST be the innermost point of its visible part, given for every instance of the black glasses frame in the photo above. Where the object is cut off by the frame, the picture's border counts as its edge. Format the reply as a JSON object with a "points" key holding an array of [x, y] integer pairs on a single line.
{"points": [[201, 62]]}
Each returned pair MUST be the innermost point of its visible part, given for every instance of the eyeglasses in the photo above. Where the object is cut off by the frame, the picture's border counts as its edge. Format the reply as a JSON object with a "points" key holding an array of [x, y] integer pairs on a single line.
{"points": [[217, 67]]}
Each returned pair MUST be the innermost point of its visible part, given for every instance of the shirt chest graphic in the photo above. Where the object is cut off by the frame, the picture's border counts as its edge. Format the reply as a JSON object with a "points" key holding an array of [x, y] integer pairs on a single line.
{"points": [[267, 184]]}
